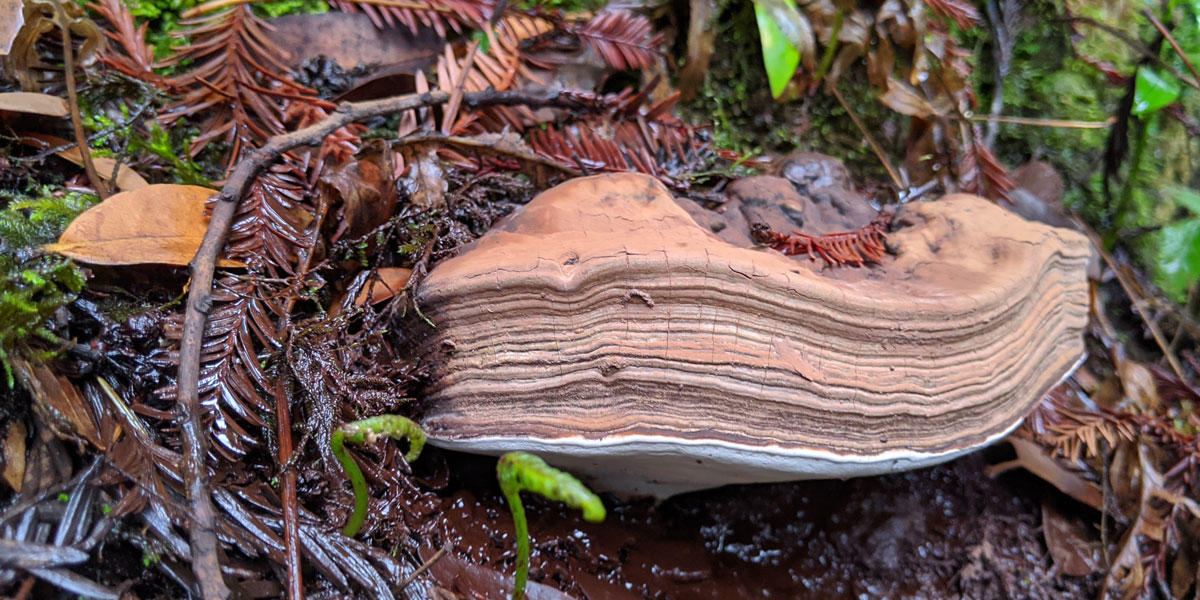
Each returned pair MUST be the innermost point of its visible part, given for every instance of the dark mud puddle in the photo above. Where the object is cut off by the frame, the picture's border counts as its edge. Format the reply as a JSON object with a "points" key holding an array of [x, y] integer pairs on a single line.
{"points": [[944, 532]]}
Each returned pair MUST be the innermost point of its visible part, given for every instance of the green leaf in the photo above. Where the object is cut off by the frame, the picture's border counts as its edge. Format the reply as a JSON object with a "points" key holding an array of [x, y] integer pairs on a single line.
{"points": [[779, 56], [1153, 90], [1178, 260]]}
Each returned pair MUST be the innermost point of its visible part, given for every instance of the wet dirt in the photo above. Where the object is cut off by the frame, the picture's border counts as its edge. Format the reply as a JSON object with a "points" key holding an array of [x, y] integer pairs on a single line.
{"points": [[943, 532]]}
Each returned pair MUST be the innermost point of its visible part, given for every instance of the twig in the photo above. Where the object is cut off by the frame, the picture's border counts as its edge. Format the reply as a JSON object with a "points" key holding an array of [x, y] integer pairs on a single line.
{"points": [[1136, 301], [205, 563], [283, 423], [421, 569], [42, 155], [490, 146], [287, 487], [64, 25], [1003, 19], [1135, 45], [883, 159], [1036, 122], [1185, 316], [1174, 44]]}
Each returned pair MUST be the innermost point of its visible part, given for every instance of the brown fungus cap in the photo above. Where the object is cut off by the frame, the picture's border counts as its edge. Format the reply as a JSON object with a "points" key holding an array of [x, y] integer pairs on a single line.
{"points": [[603, 328]]}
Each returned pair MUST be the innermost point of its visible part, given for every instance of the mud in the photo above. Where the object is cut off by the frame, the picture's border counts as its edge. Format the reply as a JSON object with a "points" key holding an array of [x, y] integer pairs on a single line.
{"points": [[943, 532]]}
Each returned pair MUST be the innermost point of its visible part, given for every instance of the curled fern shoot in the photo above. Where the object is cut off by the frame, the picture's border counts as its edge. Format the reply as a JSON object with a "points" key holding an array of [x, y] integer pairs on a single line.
{"points": [[519, 471], [365, 431]]}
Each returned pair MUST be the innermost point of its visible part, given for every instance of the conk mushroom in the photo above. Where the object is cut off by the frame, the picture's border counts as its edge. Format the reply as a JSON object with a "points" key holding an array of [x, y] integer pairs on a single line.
{"points": [[601, 328]]}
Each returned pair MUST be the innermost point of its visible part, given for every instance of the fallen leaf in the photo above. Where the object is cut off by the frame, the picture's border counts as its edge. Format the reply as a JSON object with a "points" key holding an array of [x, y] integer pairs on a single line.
{"points": [[389, 281], [1033, 458], [32, 102], [58, 402], [157, 224], [1070, 546], [367, 193], [127, 179], [906, 101], [14, 455], [12, 17], [1141, 392]]}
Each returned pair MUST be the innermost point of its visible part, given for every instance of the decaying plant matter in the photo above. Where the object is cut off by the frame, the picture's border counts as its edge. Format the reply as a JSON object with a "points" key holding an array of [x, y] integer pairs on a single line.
{"points": [[272, 355], [914, 62], [230, 81]]}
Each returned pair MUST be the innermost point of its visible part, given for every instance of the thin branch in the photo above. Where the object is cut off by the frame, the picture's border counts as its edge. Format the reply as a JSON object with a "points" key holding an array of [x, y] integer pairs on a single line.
{"points": [[488, 145], [199, 300], [287, 492], [64, 25], [1135, 45], [879, 153], [1136, 301], [1174, 44], [421, 569], [1036, 122], [283, 422]]}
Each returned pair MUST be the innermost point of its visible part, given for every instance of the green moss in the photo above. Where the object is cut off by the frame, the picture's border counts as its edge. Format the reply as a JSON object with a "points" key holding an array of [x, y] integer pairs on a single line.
{"points": [[128, 127], [1050, 80], [290, 7], [33, 285]]}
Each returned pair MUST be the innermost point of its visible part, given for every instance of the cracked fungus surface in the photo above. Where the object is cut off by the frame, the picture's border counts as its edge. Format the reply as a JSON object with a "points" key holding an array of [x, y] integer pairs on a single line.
{"points": [[600, 321]]}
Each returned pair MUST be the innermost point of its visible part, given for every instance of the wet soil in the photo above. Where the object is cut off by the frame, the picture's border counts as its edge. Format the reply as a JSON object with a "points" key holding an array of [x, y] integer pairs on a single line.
{"points": [[944, 532]]}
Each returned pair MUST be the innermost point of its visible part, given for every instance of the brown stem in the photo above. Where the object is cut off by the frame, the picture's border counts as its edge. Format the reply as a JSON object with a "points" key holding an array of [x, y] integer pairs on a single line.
{"points": [[283, 420], [199, 300], [287, 487], [64, 25], [1174, 44], [879, 153], [1134, 44]]}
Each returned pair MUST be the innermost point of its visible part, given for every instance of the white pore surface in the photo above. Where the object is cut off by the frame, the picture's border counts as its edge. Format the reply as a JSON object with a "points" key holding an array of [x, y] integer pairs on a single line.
{"points": [[661, 466]]}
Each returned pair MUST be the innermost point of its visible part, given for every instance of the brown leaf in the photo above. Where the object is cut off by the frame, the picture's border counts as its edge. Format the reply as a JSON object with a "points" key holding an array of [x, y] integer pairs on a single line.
{"points": [[1073, 550], [58, 402], [127, 179], [11, 19], [159, 224], [32, 102], [1032, 458], [367, 192], [389, 282], [1141, 391], [905, 100], [14, 455]]}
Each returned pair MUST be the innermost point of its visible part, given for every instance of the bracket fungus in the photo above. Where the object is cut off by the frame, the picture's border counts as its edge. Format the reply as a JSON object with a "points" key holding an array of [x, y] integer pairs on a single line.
{"points": [[603, 329]]}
